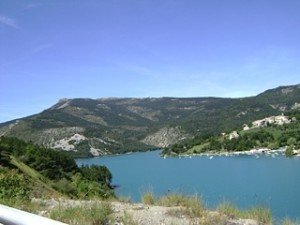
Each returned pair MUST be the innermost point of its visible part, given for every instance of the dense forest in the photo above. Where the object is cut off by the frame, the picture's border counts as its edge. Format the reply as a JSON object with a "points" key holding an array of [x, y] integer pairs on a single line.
{"points": [[24, 167]]}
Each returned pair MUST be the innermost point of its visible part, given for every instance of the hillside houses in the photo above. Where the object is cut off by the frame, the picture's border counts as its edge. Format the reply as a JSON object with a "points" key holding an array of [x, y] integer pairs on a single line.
{"points": [[233, 134], [277, 120]]}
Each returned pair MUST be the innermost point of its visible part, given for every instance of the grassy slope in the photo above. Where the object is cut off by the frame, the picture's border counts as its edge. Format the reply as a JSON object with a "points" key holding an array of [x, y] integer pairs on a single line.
{"points": [[38, 183]]}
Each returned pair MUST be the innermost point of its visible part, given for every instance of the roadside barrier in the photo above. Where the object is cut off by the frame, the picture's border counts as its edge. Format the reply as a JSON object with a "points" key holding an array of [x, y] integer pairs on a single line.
{"points": [[12, 216]]}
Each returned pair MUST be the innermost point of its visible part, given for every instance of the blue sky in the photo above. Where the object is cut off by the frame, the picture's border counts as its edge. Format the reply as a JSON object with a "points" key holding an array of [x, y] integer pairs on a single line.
{"points": [[53, 49]]}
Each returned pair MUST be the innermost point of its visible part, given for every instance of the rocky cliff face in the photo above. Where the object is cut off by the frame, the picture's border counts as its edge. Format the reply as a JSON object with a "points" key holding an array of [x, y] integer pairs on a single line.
{"points": [[165, 137]]}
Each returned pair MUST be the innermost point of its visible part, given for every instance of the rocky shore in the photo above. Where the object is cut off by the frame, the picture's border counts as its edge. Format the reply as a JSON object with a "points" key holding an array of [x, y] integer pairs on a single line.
{"points": [[142, 214]]}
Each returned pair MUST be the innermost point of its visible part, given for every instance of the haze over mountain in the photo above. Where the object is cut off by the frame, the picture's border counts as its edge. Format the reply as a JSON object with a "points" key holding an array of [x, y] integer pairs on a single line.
{"points": [[115, 125]]}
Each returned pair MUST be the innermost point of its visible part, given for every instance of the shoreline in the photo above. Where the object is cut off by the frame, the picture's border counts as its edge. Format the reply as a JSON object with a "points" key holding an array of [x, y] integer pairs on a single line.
{"points": [[251, 152]]}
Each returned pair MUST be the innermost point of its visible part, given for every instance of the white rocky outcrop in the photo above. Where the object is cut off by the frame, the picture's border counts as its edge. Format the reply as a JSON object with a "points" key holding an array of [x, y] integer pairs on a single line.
{"points": [[68, 144], [295, 106], [165, 136]]}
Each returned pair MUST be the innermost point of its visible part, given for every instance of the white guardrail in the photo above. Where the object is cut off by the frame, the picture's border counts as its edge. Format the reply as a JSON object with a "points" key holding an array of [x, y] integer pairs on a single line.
{"points": [[12, 216]]}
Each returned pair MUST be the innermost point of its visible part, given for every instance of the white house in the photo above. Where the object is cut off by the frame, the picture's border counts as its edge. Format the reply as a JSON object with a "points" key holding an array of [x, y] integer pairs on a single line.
{"points": [[233, 134], [278, 120]]}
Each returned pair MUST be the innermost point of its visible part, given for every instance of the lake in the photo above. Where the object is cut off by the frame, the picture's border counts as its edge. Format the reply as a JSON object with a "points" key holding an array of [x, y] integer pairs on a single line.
{"points": [[272, 181]]}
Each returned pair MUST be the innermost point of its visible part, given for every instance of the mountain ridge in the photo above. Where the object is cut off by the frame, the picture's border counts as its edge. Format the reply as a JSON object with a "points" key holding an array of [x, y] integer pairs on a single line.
{"points": [[118, 125]]}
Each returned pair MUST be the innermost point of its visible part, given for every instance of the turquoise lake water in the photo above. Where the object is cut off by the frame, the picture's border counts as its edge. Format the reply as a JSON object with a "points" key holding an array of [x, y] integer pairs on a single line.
{"points": [[243, 180]]}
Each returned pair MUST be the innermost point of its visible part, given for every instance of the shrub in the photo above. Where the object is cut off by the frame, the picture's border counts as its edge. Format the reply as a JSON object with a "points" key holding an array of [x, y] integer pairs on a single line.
{"points": [[87, 189], [148, 198], [287, 221], [192, 204], [97, 173], [127, 219], [228, 209], [95, 214], [65, 186], [289, 151], [173, 200], [13, 185], [260, 214]]}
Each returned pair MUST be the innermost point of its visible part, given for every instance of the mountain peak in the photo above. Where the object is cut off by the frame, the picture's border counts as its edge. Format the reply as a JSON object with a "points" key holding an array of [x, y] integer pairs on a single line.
{"points": [[116, 125]]}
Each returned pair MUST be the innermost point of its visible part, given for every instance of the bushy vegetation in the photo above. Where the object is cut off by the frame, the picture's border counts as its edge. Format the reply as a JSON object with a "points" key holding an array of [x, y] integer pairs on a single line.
{"points": [[261, 214], [22, 162], [98, 213], [288, 221], [13, 185], [94, 214], [193, 208], [246, 141], [127, 219], [148, 198], [191, 205]]}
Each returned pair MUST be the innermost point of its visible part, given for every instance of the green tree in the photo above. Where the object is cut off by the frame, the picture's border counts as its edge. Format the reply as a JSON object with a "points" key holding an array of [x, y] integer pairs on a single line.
{"points": [[97, 173], [291, 141], [289, 151]]}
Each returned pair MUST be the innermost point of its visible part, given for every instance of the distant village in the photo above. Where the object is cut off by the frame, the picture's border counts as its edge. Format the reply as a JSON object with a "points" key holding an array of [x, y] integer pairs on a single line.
{"points": [[276, 120]]}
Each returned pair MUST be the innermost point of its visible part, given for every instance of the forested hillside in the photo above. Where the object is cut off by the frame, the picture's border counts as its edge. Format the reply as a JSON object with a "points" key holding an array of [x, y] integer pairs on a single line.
{"points": [[27, 170], [92, 127]]}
